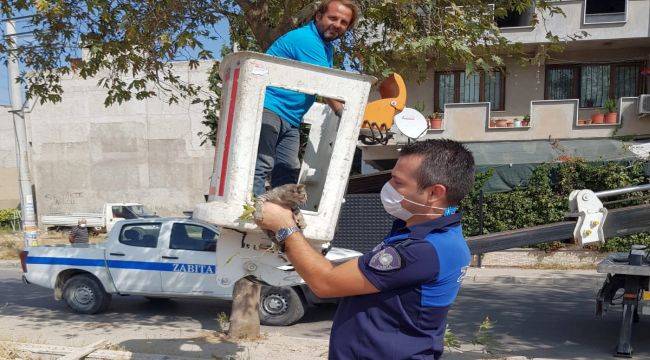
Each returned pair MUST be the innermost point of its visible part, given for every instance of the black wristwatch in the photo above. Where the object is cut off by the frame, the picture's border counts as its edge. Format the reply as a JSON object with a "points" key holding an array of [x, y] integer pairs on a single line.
{"points": [[282, 235]]}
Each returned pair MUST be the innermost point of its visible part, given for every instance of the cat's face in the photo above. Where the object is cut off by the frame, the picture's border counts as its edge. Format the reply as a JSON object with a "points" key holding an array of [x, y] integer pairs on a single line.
{"points": [[297, 193]]}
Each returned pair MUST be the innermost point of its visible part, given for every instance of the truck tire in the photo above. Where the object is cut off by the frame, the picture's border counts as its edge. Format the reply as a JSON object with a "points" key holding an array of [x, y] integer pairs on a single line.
{"points": [[280, 306], [84, 294]]}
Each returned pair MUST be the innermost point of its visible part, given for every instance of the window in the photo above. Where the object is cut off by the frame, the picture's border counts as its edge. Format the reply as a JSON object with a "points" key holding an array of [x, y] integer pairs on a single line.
{"points": [[603, 11], [560, 83], [592, 83], [457, 87], [628, 80], [514, 18], [123, 212], [192, 237], [141, 235]]}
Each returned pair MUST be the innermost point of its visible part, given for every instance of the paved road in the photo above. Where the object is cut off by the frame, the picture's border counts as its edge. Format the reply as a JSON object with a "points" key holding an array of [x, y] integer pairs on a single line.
{"points": [[534, 321]]}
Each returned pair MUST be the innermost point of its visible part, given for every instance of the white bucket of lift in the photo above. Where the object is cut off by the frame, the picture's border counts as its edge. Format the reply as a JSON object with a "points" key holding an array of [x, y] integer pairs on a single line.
{"points": [[329, 153]]}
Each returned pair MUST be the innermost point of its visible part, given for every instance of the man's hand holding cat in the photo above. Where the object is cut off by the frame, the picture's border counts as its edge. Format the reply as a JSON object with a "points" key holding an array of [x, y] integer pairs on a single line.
{"points": [[276, 217]]}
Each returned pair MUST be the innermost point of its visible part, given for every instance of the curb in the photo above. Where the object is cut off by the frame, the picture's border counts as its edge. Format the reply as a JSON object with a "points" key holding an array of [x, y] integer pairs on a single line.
{"points": [[9, 264], [60, 352], [487, 276], [539, 277]]}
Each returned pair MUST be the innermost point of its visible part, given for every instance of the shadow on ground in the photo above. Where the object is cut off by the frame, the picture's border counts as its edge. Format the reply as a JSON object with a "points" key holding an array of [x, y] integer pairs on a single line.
{"points": [[544, 321], [182, 327], [199, 347], [534, 321]]}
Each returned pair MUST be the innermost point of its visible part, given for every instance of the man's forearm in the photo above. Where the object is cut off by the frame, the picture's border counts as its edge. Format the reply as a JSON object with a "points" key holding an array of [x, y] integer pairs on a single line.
{"points": [[310, 264], [336, 106]]}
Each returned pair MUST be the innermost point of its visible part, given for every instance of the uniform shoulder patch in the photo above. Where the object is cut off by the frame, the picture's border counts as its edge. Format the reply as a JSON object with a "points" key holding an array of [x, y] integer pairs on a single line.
{"points": [[385, 260]]}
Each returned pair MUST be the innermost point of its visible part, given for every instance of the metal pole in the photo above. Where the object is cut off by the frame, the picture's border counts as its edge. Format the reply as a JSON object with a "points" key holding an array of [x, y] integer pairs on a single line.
{"points": [[481, 202], [26, 195], [608, 193]]}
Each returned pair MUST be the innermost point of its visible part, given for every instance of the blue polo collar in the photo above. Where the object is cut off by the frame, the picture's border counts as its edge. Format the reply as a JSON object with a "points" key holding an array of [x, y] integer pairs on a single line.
{"points": [[312, 27], [421, 230]]}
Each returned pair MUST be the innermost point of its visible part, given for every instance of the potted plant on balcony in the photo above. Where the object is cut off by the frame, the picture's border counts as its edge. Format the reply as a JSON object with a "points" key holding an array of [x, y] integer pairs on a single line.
{"points": [[597, 117], [501, 122], [611, 115], [435, 121], [517, 123], [526, 120]]}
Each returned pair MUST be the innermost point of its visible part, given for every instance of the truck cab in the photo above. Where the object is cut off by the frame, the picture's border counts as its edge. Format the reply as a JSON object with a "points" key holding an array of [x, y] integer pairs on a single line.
{"points": [[114, 212]]}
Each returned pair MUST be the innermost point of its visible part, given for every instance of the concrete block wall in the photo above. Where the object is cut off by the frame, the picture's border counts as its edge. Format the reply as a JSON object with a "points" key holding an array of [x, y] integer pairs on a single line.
{"points": [[9, 192], [85, 154]]}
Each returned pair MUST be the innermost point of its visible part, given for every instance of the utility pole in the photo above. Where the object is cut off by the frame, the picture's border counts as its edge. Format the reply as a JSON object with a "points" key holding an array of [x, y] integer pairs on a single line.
{"points": [[28, 215]]}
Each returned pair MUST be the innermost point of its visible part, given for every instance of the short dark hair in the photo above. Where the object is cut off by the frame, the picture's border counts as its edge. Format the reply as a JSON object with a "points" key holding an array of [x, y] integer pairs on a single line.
{"points": [[444, 162], [350, 4]]}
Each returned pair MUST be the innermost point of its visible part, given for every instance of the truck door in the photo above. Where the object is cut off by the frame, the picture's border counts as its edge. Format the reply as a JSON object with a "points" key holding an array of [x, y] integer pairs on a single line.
{"points": [[134, 261], [191, 250]]}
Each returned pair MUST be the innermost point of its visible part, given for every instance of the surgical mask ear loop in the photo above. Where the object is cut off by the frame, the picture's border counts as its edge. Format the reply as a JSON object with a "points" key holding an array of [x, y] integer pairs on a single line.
{"points": [[450, 210]]}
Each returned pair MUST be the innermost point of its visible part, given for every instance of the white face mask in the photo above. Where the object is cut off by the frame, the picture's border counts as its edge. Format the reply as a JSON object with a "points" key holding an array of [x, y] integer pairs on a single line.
{"points": [[82, 225], [391, 199]]}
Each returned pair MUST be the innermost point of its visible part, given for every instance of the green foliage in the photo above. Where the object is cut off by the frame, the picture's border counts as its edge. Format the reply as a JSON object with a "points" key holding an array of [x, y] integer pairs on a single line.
{"points": [[544, 199], [484, 336], [451, 340], [610, 105], [419, 106], [131, 44], [223, 322], [211, 107], [247, 214], [7, 215], [623, 244]]}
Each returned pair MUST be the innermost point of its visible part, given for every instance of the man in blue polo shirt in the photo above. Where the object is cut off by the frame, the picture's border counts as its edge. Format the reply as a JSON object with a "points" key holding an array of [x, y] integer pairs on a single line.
{"points": [[395, 298], [283, 109]]}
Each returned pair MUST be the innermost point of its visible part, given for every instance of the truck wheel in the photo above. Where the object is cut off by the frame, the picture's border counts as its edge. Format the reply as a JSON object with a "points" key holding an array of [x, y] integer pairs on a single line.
{"points": [[280, 306], [84, 294]]}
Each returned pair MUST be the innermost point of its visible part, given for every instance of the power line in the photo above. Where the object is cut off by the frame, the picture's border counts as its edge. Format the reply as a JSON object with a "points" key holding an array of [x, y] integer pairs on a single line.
{"points": [[17, 18], [18, 34]]}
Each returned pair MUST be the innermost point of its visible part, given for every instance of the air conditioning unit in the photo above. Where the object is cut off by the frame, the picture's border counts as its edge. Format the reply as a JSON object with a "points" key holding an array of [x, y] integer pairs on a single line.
{"points": [[644, 104]]}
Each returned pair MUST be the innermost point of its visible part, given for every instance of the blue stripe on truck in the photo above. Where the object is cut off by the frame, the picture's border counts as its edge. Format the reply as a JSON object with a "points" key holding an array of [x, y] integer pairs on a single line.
{"points": [[63, 261], [124, 264]]}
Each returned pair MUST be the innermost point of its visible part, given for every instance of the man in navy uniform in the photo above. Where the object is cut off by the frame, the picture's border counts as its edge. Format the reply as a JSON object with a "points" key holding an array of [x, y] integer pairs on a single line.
{"points": [[395, 298]]}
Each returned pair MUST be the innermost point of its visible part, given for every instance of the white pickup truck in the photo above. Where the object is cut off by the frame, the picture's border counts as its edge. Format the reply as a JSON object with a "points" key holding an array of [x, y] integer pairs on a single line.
{"points": [[155, 258], [110, 214]]}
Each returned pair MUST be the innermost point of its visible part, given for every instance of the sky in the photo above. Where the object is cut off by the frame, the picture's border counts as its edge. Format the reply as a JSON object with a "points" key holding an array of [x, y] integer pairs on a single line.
{"points": [[221, 29]]}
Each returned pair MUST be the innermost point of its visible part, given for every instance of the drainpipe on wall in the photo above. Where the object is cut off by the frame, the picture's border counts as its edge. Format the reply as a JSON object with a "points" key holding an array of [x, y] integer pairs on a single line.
{"points": [[28, 214]]}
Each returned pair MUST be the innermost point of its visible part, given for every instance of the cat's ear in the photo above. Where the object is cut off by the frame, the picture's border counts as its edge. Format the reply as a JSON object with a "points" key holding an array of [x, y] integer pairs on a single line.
{"points": [[300, 187]]}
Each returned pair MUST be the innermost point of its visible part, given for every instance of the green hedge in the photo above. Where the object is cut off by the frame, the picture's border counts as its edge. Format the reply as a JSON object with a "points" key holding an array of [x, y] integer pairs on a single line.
{"points": [[544, 198], [6, 215], [623, 244]]}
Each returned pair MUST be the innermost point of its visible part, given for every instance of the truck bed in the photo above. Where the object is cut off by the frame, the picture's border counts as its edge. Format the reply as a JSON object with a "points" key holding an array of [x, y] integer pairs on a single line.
{"points": [[44, 261], [92, 219]]}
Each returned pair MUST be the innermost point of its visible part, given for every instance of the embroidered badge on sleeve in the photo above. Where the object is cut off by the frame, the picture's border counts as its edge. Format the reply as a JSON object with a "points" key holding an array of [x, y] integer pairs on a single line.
{"points": [[386, 259]]}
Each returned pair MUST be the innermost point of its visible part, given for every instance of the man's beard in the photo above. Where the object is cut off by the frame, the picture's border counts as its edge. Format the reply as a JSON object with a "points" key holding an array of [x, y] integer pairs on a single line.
{"points": [[333, 35]]}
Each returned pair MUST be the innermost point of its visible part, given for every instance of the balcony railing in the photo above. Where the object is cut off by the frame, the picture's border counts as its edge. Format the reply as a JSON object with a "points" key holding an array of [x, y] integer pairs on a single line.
{"points": [[554, 119]]}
